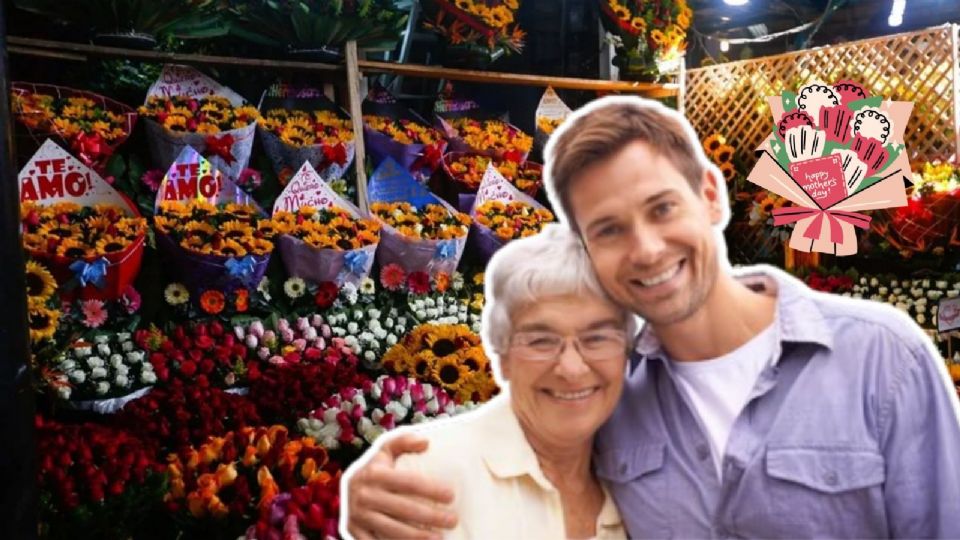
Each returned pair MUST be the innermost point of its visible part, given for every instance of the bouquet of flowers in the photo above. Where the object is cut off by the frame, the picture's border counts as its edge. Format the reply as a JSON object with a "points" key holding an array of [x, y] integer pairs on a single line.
{"points": [[110, 367], [367, 323], [512, 220], [649, 37], [929, 220], [391, 130], [355, 417], [43, 317], [88, 472], [551, 112], [287, 392], [324, 238], [215, 235], [183, 414], [448, 356], [204, 354], [844, 150], [88, 234], [467, 171], [301, 125], [431, 222], [186, 108], [308, 340], [442, 299], [222, 482], [721, 153], [486, 28], [91, 125], [490, 137]]}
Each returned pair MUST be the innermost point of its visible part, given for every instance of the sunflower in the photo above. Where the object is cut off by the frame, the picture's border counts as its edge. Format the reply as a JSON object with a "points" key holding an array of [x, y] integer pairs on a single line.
{"points": [[713, 142], [62, 230], [300, 123], [397, 360], [34, 242], [207, 128], [422, 366], [259, 246], [65, 127], [448, 373], [199, 229], [638, 24], [267, 228], [474, 359], [271, 124], [164, 224], [621, 12], [683, 20], [176, 294], [231, 248], [42, 322], [728, 170], [111, 244], [98, 223], [241, 211], [175, 209], [296, 137], [212, 302], [236, 230], [193, 243], [657, 37], [246, 112], [367, 238], [723, 154], [175, 123], [72, 248], [40, 283]]}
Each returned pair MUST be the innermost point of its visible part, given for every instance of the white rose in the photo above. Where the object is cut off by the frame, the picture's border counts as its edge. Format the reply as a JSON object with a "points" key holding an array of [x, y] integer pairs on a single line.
{"points": [[95, 362], [922, 301], [122, 369], [148, 377], [429, 302], [103, 349], [116, 360], [392, 339], [103, 387], [942, 284], [421, 314], [874, 282], [67, 365], [358, 315], [374, 313], [122, 381], [352, 327], [388, 323], [101, 339], [380, 333], [98, 373], [339, 332], [863, 281], [921, 319], [926, 284], [82, 352], [953, 293], [127, 346], [78, 376], [894, 283], [921, 308], [883, 291], [351, 341], [431, 313], [135, 357]]}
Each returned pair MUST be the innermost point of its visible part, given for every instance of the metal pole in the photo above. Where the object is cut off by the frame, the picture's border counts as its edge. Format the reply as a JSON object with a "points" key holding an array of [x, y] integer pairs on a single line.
{"points": [[18, 502]]}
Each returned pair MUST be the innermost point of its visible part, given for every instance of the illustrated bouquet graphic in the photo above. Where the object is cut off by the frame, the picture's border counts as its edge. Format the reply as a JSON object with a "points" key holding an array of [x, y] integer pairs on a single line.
{"points": [[835, 151]]}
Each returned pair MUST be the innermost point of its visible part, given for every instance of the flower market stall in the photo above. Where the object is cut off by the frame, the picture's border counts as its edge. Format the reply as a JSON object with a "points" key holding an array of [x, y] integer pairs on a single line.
{"points": [[241, 269]]}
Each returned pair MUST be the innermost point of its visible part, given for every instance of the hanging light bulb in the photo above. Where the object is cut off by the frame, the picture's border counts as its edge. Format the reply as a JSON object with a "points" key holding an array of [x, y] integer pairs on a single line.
{"points": [[724, 45], [735, 2]]}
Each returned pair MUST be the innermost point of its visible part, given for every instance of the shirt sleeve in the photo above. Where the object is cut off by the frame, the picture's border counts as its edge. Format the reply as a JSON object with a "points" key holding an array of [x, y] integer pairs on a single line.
{"points": [[920, 439]]}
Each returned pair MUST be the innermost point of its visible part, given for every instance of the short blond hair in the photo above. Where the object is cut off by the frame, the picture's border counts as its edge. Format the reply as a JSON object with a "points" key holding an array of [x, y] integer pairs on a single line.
{"points": [[602, 128]]}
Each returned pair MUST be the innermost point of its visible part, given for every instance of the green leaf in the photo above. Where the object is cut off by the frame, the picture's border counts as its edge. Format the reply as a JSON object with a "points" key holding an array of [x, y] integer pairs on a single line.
{"points": [[874, 101], [789, 101]]}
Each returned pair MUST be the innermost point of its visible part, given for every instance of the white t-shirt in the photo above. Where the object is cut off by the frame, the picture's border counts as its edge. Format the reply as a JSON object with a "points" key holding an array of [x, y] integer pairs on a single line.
{"points": [[718, 388]]}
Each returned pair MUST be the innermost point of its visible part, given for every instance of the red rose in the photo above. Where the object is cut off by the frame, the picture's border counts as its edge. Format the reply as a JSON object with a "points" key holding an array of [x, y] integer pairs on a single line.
{"points": [[326, 294], [202, 381], [312, 354], [216, 329], [188, 368], [204, 342], [292, 357], [207, 366]]}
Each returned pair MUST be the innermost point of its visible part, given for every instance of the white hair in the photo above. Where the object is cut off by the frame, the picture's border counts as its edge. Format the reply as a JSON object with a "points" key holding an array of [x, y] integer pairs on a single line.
{"points": [[552, 263]]}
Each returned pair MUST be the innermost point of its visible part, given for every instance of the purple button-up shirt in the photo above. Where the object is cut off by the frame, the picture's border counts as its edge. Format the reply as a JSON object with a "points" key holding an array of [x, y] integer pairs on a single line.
{"points": [[853, 431]]}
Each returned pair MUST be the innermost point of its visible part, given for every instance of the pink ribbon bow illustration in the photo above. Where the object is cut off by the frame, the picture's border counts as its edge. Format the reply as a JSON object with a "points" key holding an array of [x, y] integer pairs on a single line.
{"points": [[792, 214]]}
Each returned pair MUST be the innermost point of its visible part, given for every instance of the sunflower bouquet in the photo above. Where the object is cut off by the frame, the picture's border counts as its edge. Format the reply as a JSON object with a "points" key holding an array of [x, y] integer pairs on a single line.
{"points": [[215, 235], [187, 108], [721, 154], [432, 222], [489, 137], [649, 36], [394, 131], [91, 125], [301, 125], [43, 317], [502, 213], [448, 356], [551, 112], [486, 28], [467, 171], [323, 238]]}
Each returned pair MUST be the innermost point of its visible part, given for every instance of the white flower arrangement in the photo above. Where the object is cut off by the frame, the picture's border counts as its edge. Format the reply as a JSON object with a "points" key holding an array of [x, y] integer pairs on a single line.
{"points": [[110, 367], [356, 417]]}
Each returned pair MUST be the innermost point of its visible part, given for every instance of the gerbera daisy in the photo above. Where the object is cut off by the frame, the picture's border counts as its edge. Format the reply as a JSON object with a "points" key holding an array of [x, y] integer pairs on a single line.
{"points": [[418, 282], [176, 294], [392, 277], [368, 286], [42, 322], [94, 313], [241, 301], [40, 283], [294, 287], [212, 302], [441, 282]]}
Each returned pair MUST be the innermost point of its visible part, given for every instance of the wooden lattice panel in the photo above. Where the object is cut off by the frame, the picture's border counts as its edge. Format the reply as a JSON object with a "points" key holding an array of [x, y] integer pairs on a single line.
{"points": [[921, 67]]}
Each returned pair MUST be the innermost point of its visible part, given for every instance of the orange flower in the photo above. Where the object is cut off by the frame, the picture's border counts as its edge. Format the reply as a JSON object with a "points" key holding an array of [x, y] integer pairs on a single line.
{"points": [[242, 301], [212, 302], [442, 282]]}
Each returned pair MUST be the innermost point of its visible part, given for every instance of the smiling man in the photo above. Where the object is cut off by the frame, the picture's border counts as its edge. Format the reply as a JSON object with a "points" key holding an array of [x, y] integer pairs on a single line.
{"points": [[753, 406]]}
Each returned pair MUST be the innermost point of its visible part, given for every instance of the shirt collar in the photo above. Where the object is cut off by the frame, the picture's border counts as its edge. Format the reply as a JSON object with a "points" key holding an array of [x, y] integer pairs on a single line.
{"points": [[512, 455], [799, 318]]}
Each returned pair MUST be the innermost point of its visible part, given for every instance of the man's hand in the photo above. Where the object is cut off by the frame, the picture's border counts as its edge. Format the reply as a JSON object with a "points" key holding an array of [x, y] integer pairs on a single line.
{"points": [[387, 503]]}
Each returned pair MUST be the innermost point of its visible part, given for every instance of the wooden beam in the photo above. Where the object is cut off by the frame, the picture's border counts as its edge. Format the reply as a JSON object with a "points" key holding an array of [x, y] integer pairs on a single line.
{"points": [[37, 46], [356, 117], [434, 72]]}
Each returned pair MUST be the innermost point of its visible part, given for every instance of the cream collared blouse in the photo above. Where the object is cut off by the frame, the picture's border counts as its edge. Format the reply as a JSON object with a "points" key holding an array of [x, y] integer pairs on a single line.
{"points": [[500, 490]]}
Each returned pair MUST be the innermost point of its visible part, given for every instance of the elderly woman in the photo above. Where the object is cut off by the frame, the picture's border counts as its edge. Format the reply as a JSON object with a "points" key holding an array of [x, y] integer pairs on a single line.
{"points": [[520, 465]]}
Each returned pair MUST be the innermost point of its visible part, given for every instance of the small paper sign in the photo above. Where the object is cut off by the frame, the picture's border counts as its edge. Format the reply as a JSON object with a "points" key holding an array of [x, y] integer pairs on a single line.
{"points": [[390, 182], [193, 177], [494, 187], [948, 314], [53, 175], [176, 80], [821, 178], [307, 188], [552, 107]]}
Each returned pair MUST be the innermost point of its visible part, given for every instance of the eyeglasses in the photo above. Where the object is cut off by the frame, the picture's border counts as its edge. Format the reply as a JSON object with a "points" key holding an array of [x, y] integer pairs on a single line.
{"points": [[593, 346]]}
